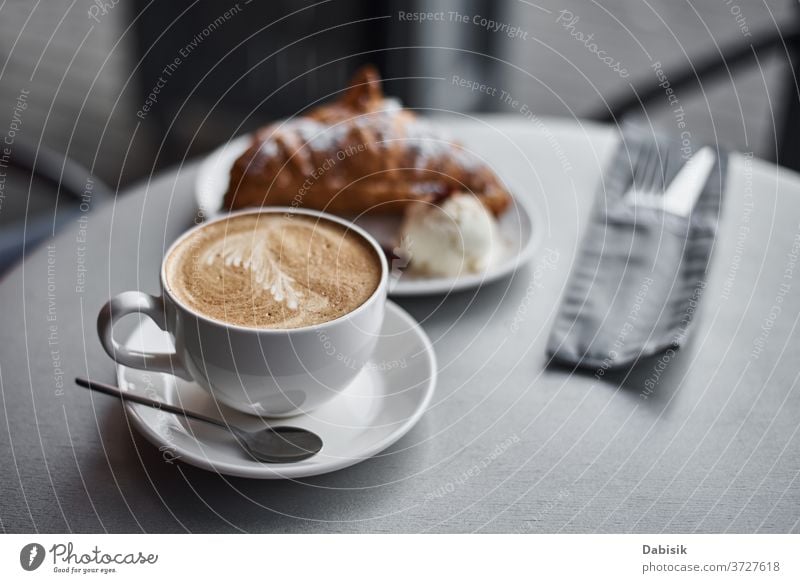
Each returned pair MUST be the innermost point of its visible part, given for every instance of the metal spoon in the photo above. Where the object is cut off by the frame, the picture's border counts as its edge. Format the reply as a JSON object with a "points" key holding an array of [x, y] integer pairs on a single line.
{"points": [[274, 445]]}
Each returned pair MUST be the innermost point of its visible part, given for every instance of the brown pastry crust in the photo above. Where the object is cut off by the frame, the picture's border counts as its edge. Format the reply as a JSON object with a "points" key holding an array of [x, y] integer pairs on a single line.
{"points": [[361, 153]]}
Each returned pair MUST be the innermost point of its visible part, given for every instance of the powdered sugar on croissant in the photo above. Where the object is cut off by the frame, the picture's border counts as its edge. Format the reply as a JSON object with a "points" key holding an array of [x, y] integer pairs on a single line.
{"points": [[360, 153]]}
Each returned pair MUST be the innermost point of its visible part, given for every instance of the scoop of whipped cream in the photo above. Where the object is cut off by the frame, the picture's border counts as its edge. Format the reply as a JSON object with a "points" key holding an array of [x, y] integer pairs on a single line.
{"points": [[456, 237]]}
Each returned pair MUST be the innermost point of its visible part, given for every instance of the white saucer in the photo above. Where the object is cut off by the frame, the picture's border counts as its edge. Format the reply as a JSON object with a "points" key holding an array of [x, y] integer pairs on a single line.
{"points": [[520, 227], [384, 402]]}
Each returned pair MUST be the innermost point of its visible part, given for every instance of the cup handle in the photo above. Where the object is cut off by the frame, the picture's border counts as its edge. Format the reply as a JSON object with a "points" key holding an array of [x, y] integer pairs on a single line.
{"points": [[131, 302]]}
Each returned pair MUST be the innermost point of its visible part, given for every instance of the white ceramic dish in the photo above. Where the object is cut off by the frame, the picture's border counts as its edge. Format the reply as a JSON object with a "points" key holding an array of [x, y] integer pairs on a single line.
{"points": [[385, 401], [521, 229]]}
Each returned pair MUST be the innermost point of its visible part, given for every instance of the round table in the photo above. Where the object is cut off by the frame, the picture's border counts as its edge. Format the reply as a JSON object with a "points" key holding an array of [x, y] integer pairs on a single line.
{"points": [[509, 444]]}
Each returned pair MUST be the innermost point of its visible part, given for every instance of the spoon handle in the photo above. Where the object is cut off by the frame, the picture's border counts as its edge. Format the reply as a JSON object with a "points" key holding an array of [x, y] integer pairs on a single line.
{"points": [[142, 400]]}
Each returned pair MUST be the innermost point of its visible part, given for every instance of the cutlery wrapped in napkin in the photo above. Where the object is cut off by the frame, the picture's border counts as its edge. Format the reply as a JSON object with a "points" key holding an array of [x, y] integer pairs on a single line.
{"points": [[640, 272]]}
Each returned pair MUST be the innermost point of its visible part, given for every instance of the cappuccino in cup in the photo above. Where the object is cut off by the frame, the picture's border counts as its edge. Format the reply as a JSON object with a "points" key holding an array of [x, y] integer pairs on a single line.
{"points": [[248, 299], [268, 270]]}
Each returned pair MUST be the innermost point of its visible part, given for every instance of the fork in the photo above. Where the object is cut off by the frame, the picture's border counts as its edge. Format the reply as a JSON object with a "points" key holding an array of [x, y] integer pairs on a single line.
{"points": [[649, 187], [649, 177]]}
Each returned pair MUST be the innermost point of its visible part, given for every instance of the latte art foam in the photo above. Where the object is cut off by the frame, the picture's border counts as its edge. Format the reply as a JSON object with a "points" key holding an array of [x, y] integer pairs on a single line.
{"points": [[254, 255], [270, 270]]}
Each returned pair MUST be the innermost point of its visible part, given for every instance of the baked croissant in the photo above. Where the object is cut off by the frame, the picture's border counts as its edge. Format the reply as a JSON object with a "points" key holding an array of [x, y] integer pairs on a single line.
{"points": [[361, 153]]}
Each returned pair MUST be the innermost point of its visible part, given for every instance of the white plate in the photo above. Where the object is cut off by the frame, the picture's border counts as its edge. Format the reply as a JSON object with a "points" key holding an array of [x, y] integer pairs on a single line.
{"points": [[214, 174], [384, 402], [520, 228]]}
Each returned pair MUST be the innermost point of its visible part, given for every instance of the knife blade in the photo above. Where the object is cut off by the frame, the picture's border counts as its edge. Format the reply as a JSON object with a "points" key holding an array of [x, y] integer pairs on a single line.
{"points": [[681, 195]]}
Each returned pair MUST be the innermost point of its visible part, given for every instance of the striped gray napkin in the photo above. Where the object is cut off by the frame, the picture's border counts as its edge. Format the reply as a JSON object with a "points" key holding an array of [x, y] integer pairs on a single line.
{"points": [[640, 274]]}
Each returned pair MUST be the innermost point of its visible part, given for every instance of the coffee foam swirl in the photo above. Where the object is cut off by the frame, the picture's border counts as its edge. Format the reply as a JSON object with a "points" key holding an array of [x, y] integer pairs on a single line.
{"points": [[253, 254], [273, 271]]}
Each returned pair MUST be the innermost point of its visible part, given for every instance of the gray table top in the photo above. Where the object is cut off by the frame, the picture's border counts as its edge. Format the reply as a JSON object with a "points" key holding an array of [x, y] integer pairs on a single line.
{"points": [[509, 444]]}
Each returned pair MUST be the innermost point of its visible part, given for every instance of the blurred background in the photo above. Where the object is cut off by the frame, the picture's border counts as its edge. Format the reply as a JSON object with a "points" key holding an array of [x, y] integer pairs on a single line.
{"points": [[122, 89]]}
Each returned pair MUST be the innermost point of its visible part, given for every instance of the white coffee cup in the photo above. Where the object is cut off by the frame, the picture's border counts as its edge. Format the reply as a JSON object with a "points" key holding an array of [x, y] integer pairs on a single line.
{"points": [[262, 371]]}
